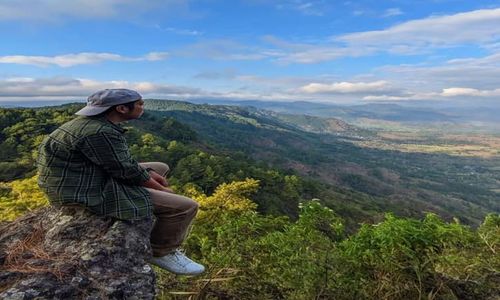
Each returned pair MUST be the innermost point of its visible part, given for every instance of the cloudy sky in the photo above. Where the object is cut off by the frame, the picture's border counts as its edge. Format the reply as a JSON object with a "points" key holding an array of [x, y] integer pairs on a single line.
{"points": [[282, 50]]}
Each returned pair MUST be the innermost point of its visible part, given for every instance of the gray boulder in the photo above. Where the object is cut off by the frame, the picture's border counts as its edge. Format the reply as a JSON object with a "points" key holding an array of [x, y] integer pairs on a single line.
{"points": [[70, 253]]}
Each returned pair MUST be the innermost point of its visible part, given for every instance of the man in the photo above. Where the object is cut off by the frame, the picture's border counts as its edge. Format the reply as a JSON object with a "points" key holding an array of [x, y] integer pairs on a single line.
{"points": [[86, 162]]}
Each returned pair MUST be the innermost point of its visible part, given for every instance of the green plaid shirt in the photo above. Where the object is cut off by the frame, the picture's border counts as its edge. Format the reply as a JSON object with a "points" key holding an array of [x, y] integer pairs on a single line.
{"points": [[87, 161]]}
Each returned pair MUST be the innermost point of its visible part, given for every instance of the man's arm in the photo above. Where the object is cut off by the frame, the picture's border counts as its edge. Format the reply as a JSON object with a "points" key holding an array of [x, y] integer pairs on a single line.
{"points": [[110, 152]]}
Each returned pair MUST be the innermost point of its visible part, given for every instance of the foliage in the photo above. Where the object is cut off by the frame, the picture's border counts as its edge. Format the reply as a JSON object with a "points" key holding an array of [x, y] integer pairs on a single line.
{"points": [[19, 197], [21, 131], [251, 256], [176, 130]]}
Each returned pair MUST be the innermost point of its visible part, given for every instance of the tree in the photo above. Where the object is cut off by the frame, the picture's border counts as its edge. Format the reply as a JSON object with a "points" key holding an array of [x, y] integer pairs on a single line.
{"points": [[23, 196]]}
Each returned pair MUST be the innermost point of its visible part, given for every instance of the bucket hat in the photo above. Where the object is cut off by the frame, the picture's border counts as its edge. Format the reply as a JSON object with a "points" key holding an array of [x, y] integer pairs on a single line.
{"points": [[101, 100]]}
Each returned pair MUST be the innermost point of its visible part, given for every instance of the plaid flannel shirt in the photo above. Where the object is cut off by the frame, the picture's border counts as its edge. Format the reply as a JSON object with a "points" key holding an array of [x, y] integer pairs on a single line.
{"points": [[87, 161]]}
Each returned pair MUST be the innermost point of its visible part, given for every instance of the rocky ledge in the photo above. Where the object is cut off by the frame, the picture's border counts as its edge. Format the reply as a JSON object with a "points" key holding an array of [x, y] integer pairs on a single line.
{"points": [[69, 253]]}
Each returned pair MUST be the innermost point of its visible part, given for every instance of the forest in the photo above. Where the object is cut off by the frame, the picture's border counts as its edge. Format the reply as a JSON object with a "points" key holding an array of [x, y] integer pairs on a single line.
{"points": [[289, 214], [369, 171]]}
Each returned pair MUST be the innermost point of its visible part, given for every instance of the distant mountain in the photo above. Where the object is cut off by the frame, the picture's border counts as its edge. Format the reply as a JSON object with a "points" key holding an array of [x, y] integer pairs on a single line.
{"points": [[37, 103], [412, 112]]}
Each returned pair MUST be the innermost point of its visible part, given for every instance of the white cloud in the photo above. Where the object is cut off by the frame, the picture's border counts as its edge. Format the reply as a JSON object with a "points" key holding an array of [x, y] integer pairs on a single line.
{"points": [[480, 73], [19, 79], [183, 31], [479, 26], [408, 96], [274, 82], [154, 56], [179, 30], [310, 7], [71, 89], [347, 87], [489, 60], [390, 12], [79, 88], [318, 54], [276, 89], [462, 91], [465, 78], [385, 98], [69, 60], [307, 53], [217, 75], [459, 91], [444, 95], [224, 49]]}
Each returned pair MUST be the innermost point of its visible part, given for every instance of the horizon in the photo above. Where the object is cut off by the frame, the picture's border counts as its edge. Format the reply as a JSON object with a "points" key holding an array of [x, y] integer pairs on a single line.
{"points": [[443, 53]]}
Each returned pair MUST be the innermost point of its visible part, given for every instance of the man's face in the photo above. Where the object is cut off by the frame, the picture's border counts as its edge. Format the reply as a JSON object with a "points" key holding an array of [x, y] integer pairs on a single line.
{"points": [[137, 111]]}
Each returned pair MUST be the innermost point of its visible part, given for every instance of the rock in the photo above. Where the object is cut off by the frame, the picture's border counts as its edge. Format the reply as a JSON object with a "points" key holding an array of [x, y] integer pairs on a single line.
{"points": [[70, 253]]}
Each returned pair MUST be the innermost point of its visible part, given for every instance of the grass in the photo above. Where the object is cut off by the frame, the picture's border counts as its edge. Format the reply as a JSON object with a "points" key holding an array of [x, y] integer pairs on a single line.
{"points": [[29, 256]]}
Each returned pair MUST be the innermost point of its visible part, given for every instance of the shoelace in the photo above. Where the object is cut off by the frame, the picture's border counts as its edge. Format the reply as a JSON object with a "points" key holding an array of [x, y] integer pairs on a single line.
{"points": [[181, 253]]}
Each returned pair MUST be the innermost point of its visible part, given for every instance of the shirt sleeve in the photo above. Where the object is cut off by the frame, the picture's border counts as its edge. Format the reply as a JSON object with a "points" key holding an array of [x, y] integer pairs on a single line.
{"points": [[110, 152]]}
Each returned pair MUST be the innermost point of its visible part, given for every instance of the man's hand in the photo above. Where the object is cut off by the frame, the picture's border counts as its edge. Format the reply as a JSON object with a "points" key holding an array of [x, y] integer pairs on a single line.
{"points": [[158, 178], [168, 190], [157, 182]]}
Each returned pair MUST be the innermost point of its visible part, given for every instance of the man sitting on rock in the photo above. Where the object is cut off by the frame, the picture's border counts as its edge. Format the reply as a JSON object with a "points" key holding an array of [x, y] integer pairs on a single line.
{"points": [[86, 162]]}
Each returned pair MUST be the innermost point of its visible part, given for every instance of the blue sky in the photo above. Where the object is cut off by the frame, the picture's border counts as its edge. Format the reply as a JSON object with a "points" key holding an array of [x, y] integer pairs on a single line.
{"points": [[281, 50]]}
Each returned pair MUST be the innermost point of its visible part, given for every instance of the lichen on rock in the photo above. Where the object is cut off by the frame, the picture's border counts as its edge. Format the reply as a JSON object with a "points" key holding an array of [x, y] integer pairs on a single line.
{"points": [[70, 253]]}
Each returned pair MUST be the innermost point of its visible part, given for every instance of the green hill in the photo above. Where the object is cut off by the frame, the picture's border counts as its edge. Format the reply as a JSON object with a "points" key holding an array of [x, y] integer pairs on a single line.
{"points": [[327, 155], [407, 183], [259, 230]]}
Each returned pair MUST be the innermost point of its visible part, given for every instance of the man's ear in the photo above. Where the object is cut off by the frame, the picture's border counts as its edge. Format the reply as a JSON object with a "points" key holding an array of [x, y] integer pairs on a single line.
{"points": [[122, 109]]}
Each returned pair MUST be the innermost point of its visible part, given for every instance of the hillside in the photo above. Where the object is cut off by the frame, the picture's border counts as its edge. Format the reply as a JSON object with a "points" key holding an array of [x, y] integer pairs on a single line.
{"points": [[406, 182], [358, 172], [259, 229]]}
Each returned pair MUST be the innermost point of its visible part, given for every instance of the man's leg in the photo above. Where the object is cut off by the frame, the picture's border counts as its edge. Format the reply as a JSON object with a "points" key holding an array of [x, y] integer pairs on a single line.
{"points": [[174, 214]]}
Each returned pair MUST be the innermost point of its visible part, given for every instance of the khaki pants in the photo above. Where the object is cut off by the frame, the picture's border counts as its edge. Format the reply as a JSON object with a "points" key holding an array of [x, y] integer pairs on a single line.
{"points": [[174, 214]]}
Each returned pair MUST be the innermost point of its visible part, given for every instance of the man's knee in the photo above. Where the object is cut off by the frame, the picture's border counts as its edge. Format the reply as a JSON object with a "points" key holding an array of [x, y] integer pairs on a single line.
{"points": [[168, 203], [191, 205], [163, 168], [159, 167]]}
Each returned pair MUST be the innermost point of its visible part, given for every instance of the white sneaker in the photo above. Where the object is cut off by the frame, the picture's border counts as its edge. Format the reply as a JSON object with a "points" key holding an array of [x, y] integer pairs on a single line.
{"points": [[178, 263]]}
